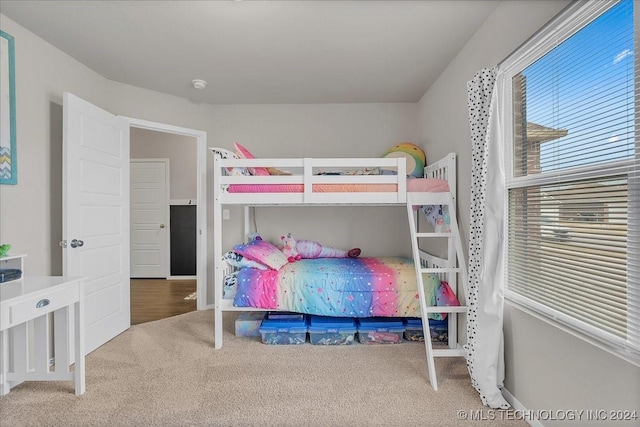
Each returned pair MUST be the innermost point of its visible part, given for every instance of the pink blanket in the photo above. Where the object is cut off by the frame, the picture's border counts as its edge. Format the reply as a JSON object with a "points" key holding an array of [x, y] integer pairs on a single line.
{"points": [[413, 185]]}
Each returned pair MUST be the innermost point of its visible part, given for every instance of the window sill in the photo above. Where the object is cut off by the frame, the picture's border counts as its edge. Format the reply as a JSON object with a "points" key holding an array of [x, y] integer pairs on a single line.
{"points": [[627, 354]]}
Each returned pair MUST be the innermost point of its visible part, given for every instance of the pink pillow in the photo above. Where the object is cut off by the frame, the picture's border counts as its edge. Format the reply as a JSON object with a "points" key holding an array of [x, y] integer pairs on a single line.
{"points": [[243, 153], [263, 252]]}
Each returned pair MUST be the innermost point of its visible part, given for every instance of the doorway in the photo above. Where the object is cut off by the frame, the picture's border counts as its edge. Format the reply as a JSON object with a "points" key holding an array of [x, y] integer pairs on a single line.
{"points": [[196, 139], [155, 299]]}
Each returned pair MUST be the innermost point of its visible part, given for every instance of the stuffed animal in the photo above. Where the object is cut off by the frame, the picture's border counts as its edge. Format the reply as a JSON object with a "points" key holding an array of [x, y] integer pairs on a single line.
{"points": [[297, 249], [254, 236], [289, 248], [416, 159]]}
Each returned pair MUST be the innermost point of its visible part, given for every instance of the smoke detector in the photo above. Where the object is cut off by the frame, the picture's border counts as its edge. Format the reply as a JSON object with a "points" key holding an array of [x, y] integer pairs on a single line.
{"points": [[199, 84]]}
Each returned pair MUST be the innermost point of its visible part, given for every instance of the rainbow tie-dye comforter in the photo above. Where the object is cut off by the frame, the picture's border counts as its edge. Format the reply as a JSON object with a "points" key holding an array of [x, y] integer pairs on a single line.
{"points": [[342, 287]]}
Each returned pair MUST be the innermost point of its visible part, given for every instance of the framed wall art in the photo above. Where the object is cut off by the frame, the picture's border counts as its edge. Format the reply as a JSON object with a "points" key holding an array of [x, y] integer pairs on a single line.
{"points": [[8, 154]]}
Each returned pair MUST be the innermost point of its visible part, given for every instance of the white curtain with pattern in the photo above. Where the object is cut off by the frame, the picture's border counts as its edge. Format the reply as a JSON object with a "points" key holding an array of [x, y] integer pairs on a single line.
{"points": [[484, 348]]}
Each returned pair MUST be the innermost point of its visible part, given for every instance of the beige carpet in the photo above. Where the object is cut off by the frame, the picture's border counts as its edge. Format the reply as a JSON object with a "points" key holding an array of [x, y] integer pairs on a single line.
{"points": [[167, 373]]}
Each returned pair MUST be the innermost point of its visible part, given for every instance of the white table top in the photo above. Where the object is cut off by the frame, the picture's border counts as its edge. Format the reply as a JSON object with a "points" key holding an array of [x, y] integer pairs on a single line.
{"points": [[31, 284], [8, 257]]}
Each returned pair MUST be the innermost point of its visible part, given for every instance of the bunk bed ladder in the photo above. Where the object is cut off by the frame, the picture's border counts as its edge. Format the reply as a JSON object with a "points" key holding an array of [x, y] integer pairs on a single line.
{"points": [[449, 269]]}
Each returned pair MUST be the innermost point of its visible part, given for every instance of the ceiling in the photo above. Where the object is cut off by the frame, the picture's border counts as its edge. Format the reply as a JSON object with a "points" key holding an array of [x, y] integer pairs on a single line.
{"points": [[261, 52]]}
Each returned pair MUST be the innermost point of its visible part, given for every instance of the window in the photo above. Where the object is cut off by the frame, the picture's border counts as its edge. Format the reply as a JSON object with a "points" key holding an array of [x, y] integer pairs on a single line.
{"points": [[573, 174]]}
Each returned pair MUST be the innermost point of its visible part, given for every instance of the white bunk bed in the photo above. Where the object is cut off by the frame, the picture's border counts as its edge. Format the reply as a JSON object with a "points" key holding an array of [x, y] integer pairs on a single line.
{"points": [[389, 190]]}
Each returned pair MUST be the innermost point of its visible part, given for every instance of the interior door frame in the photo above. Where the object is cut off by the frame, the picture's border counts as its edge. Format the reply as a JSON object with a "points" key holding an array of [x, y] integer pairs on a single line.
{"points": [[201, 202]]}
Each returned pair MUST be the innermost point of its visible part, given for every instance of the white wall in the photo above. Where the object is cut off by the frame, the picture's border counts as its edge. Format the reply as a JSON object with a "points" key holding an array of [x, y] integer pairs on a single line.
{"points": [[181, 152], [31, 211], [546, 369]]}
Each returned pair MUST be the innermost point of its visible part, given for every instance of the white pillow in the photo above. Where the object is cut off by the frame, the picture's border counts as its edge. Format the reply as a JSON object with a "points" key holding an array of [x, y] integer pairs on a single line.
{"points": [[228, 154]]}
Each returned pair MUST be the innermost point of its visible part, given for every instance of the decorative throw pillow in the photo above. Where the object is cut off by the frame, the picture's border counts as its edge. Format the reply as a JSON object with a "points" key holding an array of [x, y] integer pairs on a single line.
{"points": [[438, 217], [276, 171], [243, 153], [236, 260], [228, 154], [263, 252], [230, 283], [446, 298], [416, 159]]}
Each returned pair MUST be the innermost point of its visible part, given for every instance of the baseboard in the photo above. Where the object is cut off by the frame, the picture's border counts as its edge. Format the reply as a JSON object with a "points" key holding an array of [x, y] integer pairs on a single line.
{"points": [[519, 407], [182, 277]]}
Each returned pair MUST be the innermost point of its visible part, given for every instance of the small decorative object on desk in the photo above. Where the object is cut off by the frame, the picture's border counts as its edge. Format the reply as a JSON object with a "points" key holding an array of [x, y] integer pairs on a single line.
{"points": [[9, 274], [9, 269], [4, 249]]}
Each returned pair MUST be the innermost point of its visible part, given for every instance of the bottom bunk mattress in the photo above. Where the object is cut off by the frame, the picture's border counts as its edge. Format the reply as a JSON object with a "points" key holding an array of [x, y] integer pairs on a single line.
{"points": [[342, 287]]}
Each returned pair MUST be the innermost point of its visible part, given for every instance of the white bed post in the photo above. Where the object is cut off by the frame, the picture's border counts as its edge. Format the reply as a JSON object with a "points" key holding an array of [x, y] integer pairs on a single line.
{"points": [[402, 182], [307, 179], [247, 223], [217, 252]]}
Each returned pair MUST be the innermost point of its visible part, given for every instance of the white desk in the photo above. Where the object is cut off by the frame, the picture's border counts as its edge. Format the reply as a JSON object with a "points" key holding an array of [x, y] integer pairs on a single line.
{"points": [[24, 350]]}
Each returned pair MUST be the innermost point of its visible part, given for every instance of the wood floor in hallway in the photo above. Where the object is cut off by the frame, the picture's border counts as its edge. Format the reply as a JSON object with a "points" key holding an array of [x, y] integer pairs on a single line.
{"points": [[154, 299]]}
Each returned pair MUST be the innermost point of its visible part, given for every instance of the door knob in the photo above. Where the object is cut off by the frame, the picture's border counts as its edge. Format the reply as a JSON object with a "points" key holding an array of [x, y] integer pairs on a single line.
{"points": [[161, 225], [75, 243]]}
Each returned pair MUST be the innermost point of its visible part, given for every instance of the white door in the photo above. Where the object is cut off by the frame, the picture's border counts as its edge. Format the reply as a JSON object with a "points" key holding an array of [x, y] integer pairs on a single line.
{"points": [[96, 215], [149, 218]]}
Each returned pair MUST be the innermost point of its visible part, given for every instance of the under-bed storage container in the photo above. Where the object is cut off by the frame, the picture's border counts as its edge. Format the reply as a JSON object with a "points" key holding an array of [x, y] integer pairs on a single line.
{"points": [[437, 328], [284, 331], [380, 330], [278, 315], [325, 330], [248, 324]]}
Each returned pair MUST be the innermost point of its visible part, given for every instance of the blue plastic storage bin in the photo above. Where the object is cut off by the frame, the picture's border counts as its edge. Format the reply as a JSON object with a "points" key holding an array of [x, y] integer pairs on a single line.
{"points": [[325, 330], [282, 315], [284, 331], [380, 330], [438, 329]]}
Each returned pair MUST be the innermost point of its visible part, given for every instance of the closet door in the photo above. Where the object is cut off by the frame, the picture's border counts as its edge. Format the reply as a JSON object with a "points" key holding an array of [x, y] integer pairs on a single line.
{"points": [[149, 218]]}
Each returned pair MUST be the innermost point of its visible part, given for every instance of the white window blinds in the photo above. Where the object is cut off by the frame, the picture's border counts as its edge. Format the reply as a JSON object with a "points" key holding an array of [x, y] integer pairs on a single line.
{"points": [[573, 174]]}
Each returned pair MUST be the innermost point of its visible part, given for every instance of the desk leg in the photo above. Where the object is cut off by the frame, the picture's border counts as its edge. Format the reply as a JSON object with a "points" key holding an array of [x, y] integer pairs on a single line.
{"points": [[4, 362], [79, 344], [19, 364]]}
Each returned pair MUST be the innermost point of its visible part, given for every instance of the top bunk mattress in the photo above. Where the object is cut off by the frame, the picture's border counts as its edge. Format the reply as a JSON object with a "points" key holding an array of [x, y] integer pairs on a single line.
{"points": [[413, 185]]}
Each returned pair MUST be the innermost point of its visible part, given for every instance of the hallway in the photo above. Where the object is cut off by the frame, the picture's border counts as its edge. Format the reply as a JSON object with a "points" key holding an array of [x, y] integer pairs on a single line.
{"points": [[154, 299]]}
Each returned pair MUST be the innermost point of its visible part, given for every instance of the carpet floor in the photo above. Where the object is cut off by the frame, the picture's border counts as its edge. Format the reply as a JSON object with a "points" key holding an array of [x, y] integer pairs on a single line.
{"points": [[167, 373]]}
